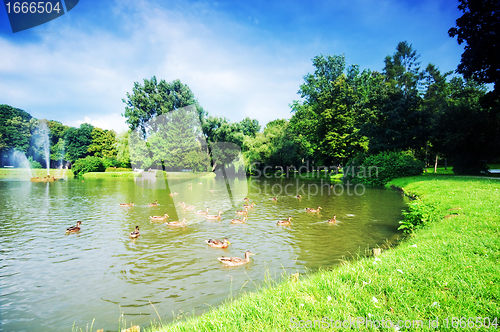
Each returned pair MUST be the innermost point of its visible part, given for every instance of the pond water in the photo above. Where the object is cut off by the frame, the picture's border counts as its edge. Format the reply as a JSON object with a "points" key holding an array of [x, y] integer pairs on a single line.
{"points": [[53, 281]]}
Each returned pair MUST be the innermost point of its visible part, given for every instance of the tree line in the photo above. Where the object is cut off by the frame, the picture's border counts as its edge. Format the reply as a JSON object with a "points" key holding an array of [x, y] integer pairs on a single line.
{"points": [[344, 114]]}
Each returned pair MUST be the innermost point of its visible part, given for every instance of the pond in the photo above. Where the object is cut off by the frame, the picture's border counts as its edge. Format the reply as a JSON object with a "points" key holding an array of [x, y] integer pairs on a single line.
{"points": [[53, 281]]}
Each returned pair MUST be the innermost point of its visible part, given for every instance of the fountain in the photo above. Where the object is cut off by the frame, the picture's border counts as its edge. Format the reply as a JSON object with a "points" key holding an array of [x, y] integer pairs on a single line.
{"points": [[42, 139], [19, 159]]}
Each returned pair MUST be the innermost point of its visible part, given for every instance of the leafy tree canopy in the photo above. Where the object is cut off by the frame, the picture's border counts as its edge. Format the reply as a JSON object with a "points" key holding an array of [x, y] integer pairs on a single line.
{"points": [[478, 28]]}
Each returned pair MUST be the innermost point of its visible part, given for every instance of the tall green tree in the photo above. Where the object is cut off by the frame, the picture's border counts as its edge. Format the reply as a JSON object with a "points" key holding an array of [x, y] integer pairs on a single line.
{"points": [[468, 130], [14, 130], [399, 123], [478, 27], [153, 98], [103, 143], [326, 123], [78, 141]]}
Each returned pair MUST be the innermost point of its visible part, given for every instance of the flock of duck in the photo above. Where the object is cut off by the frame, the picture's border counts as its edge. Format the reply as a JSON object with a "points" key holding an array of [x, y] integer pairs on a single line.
{"points": [[222, 244]]}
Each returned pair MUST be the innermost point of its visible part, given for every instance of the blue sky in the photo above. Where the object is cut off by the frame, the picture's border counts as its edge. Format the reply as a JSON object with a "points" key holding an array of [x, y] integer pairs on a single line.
{"points": [[240, 58]]}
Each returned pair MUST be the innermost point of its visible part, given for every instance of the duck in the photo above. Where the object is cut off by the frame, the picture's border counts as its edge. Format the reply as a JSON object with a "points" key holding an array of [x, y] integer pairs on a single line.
{"points": [[246, 199], [212, 216], [172, 194], [298, 196], [74, 229], [126, 204], [242, 211], [218, 243], [249, 206], [181, 223], [235, 261], [153, 204], [333, 220], [274, 199], [135, 233], [284, 222], [313, 210], [188, 207], [239, 221], [202, 211], [165, 216]]}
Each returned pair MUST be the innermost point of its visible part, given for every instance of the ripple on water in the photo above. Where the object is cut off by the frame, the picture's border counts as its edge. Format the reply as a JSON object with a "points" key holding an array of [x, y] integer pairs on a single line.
{"points": [[51, 280]]}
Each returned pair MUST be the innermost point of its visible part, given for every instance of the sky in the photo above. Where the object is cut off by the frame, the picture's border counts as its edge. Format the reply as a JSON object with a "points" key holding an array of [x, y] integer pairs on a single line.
{"points": [[240, 58]]}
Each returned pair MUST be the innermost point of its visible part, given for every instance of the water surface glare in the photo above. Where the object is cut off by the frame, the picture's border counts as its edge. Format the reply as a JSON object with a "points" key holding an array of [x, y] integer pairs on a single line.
{"points": [[50, 280]]}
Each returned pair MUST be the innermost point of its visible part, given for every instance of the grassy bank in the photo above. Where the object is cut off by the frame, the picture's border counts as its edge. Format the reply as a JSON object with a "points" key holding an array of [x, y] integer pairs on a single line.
{"points": [[23, 173], [450, 268], [128, 175]]}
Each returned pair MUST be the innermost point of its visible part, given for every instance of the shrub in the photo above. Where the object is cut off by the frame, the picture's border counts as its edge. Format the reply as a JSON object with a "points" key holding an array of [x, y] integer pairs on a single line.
{"points": [[381, 168], [417, 216], [34, 163], [88, 164]]}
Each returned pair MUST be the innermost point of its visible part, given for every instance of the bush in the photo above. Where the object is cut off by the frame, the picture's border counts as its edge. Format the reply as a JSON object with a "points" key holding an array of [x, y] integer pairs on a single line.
{"points": [[381, 168], [417, 216], [34, 163], [88, 164]]}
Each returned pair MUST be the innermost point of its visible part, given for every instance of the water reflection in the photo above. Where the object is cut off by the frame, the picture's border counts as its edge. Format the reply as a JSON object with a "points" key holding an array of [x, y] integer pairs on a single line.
{"points": [[50, 280]]}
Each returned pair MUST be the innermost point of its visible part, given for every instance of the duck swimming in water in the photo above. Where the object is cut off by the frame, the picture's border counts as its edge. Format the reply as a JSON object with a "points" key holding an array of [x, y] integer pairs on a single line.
{"points": [[164, 217], [74, 228], [153, 204], [218, 243], [202, 211], [214, 217], [313, 210], [239, 221], [235, 261], [181, 223], [285, 222], [126, 204], [135, 233], [333, 220]]}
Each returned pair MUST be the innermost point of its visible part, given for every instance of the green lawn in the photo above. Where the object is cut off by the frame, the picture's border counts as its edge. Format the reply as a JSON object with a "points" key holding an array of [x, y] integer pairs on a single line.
{"points": [[23, 173], [450, 268]]}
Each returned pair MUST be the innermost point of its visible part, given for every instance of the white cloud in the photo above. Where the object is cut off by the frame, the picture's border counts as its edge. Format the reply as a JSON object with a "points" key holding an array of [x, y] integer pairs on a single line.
{"points": [[112, 121]]}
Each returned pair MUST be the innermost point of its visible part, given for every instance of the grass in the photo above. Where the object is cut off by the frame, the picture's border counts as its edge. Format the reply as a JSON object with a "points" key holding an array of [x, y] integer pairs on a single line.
{"points": [[450, 268], [22, 173], [129, 175]]}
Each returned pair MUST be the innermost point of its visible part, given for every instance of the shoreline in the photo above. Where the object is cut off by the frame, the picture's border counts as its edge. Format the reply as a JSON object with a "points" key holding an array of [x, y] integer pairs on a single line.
{"points": [[447, 269]]}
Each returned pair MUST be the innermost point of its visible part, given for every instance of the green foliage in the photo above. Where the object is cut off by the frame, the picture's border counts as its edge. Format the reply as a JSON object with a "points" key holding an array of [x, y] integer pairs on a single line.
{"points": [[156, 98], [78, 141], [380, 168], [122, 148], [478, 27], [326, 125], [34, 163], [14, 129], [87, 164], [417, 216], [103, 143]]}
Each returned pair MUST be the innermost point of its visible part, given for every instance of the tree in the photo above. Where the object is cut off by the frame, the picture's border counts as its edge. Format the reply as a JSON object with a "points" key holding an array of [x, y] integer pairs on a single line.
{"points": [[14, 130], [398, 122], [156, 98], [78, 141], [326, 124], [103, 143], [122, 148], [468, 130], [478, 27]]}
